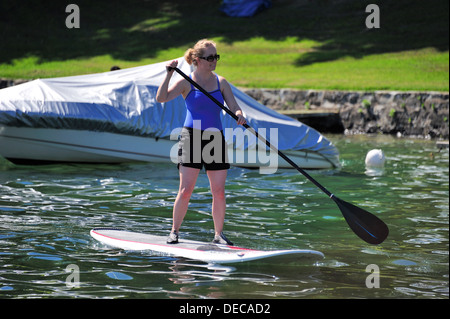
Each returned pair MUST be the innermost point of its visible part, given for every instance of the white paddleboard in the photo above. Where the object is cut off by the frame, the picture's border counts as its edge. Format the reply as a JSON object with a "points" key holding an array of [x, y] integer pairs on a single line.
{"points": [[207, 252]]}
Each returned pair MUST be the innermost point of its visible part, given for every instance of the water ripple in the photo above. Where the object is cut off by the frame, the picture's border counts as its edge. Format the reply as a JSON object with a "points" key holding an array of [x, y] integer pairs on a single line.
{"points": [[46, 214]]}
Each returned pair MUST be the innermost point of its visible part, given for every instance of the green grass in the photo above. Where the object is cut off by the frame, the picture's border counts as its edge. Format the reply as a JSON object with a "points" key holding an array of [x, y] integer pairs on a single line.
{"points": [[425, 69], [321, 44]]}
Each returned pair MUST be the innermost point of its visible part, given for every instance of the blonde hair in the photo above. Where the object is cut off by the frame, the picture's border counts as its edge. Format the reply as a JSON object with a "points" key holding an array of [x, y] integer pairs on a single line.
{"points": [[197, 50]]}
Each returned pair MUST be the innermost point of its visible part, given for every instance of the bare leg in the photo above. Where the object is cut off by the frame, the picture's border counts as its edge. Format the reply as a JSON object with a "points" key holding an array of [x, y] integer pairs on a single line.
{"points": [[188, 178], [217, 183]]}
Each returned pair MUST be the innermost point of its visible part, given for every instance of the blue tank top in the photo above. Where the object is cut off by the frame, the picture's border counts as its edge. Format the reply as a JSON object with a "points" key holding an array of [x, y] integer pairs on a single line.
{"points": [[201, 108]]}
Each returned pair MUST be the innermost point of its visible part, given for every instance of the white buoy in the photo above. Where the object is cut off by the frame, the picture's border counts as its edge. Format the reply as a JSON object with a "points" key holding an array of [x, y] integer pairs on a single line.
{"points": [[375, 158]]}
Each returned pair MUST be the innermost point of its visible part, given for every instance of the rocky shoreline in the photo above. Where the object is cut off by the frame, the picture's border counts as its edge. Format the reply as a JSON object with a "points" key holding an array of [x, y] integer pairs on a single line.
{"points": [[418, 114]]}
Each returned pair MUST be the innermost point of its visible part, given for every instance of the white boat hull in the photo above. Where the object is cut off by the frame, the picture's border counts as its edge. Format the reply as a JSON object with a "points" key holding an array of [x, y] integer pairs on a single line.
{"points": [[77, 146]]}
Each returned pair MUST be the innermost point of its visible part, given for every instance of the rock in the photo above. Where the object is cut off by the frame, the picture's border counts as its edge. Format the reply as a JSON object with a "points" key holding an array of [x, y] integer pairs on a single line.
{"points": [[423, 114]]}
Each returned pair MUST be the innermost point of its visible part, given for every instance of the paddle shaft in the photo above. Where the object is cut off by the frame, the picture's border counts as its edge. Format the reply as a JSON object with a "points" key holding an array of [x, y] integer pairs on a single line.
{"points": [[248, 127]]}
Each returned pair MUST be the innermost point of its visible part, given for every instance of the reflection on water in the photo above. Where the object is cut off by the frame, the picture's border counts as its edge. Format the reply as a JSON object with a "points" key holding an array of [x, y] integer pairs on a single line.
{"points": [[46, 213]]}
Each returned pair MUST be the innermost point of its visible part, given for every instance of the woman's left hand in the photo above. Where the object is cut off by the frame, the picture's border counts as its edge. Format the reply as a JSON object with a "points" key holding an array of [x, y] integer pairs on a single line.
{"points": [[241, 119]]}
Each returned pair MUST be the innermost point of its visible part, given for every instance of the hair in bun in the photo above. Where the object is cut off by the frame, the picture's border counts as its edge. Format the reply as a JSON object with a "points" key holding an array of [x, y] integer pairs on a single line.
{"points": [[197, 50]]}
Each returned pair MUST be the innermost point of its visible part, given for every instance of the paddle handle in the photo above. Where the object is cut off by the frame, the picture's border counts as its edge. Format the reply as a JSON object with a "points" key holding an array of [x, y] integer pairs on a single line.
{"points": [[248, 127]]}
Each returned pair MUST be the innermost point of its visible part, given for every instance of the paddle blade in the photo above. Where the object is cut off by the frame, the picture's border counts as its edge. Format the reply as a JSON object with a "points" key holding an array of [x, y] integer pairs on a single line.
{"points": [[364, 224]]}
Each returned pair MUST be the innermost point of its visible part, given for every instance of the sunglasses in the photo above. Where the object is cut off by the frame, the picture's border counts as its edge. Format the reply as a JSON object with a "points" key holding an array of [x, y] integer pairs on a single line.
{"points": [[211, 58]]}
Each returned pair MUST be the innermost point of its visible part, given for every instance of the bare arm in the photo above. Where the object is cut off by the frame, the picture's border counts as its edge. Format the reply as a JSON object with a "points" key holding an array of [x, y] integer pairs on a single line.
{"points": [[165, 93], [231, 101]]}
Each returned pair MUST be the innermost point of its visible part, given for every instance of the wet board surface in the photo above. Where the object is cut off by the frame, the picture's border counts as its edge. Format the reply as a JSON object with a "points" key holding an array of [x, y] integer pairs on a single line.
{"points": [[203, 251]]}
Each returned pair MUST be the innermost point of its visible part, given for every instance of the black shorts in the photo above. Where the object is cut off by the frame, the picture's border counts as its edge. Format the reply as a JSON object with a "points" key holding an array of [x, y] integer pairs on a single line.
{"points": [[199, 149]]}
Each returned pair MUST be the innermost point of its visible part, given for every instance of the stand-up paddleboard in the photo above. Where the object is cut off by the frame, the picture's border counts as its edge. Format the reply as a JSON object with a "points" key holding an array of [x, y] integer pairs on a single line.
{"points": [[207, 252]]}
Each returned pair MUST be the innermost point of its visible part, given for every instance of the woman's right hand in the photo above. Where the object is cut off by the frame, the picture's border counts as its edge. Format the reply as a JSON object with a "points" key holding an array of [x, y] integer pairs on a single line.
{"points": [[164, 93]]}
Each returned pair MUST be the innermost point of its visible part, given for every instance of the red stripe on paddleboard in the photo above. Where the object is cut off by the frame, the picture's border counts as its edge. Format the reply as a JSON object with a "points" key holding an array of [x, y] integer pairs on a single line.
{"points": [[168, 245]]}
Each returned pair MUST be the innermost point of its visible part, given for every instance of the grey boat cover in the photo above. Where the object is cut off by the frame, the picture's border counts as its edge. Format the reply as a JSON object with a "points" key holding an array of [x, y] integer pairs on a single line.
{"points": [[124, 102]]}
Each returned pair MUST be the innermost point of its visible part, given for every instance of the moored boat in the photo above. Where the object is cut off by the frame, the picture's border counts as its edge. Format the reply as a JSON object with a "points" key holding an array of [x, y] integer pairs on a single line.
{"points": [[113, 117]]}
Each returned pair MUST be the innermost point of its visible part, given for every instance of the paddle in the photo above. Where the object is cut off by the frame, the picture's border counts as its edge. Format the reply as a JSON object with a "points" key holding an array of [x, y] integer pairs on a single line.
{"points": [[364, 224]]}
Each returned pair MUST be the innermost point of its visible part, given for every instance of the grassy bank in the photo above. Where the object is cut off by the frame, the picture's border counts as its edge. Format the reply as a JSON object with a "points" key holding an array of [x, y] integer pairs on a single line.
{"points": [[320, 44]]}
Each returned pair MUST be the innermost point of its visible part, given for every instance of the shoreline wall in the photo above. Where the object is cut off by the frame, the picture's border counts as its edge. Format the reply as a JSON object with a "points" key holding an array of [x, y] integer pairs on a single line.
{"points": [[419, 114]]}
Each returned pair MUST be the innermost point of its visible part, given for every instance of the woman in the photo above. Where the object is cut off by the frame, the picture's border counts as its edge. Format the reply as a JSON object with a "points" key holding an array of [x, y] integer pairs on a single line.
{"points": [[202, 119]]}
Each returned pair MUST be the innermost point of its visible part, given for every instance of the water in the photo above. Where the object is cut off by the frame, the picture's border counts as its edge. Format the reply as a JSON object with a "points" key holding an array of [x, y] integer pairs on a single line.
{"points": [[46, 213]]}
